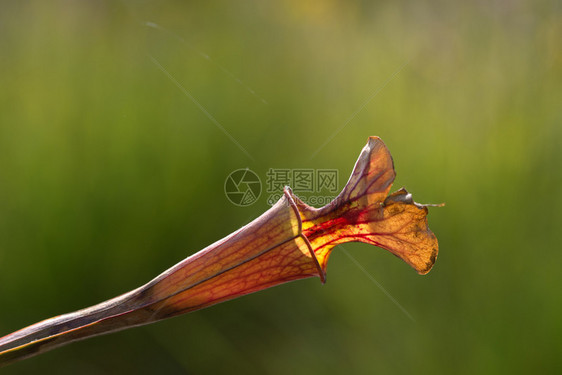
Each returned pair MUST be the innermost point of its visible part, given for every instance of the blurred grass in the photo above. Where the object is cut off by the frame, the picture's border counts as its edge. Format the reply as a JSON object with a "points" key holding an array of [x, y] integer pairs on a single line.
{"points": [[109, 175]]}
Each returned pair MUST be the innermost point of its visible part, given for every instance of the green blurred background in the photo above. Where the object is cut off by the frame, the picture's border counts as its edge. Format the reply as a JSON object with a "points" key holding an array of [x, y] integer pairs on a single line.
{"points": [[109, 174]]}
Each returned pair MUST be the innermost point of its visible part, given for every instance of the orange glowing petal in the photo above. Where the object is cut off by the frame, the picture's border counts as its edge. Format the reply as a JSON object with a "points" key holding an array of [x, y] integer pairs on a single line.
{"points": [[363, 213]]}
